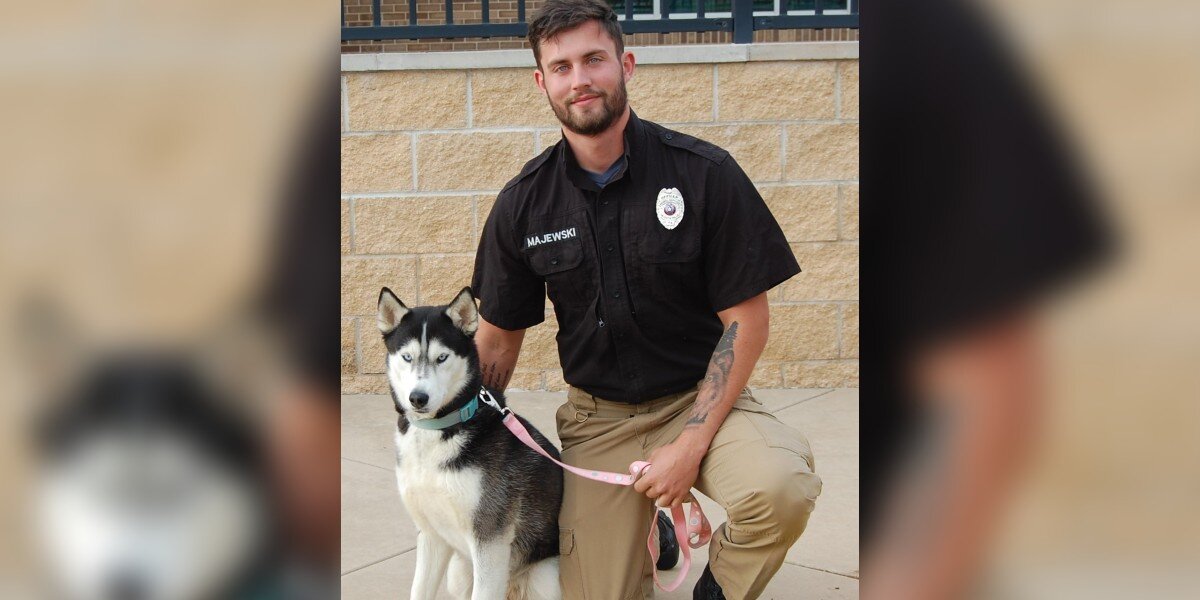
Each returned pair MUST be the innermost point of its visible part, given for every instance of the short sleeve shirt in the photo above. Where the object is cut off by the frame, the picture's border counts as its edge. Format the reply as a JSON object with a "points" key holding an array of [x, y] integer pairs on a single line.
{"points": [[637, 270]]}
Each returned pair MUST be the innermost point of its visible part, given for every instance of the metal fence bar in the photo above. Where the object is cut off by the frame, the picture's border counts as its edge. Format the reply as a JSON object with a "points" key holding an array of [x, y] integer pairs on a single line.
{"points": [[418, 32], [807, 22], [743, 21], [675, 25]]}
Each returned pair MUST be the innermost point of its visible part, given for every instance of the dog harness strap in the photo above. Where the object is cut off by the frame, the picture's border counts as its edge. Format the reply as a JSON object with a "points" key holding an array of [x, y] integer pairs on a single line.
{"points": [[695, 532], [461, 415]]}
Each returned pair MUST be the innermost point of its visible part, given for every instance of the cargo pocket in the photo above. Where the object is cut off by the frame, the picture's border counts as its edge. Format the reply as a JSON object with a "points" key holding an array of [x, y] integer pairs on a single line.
{"points": [[718, 543], [566, 542], [774, 432], [747, 401], [570, 573]]}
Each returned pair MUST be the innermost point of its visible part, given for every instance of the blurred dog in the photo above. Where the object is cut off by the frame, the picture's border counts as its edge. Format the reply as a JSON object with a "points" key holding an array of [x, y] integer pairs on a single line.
{"points": [[149, 488]]}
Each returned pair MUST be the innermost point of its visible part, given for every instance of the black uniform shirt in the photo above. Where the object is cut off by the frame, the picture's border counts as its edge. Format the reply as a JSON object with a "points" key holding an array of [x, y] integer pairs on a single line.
{"points": [[636, 273]]}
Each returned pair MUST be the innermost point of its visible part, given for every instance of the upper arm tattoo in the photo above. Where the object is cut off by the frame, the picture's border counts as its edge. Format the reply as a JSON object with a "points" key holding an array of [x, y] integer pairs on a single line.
{"points": [[716, 379]]}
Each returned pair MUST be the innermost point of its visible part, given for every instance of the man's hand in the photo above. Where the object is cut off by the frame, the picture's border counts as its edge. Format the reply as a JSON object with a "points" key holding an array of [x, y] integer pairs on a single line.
{"points": [[672, 472]]}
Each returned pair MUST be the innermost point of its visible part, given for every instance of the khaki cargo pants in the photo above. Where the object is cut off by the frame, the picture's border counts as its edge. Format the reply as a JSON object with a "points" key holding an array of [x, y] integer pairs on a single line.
{"points": [[760, 470]]}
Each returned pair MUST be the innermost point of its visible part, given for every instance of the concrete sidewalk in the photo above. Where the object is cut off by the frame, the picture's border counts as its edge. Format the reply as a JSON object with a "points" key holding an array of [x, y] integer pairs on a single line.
{"points": [[378, 538]]}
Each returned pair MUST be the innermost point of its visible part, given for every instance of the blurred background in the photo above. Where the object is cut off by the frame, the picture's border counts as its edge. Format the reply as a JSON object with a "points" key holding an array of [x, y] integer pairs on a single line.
{"points": [[168, 186], [1056, 454], [144, 192], [1109, 503]]}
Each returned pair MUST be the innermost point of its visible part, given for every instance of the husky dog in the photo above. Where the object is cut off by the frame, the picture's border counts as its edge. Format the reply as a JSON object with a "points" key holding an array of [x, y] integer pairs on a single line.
{"points": [[485, 504]]}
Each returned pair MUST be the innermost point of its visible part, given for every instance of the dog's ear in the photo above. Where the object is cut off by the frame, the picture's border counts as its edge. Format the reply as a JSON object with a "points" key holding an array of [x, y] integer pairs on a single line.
{"points": [[463, 312], [391, 311]]}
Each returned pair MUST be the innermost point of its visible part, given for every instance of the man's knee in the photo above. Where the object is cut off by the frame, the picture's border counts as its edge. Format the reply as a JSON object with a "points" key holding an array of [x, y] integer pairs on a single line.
{"points": [[777, 506]]}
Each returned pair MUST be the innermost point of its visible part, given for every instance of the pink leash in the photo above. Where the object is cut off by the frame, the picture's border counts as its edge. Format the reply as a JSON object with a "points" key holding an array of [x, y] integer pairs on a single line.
{"points": [[687, 537]]}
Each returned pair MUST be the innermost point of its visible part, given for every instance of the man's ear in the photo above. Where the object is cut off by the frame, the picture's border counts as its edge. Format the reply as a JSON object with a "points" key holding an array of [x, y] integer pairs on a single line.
{"points": [[540, 79], [628, 65], [391, 311], [463, 312]]}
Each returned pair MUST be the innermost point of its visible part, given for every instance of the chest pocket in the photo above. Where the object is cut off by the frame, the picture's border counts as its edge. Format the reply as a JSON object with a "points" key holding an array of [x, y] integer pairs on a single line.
{"points": [[670, 271], [659, 245], [555, 250]]}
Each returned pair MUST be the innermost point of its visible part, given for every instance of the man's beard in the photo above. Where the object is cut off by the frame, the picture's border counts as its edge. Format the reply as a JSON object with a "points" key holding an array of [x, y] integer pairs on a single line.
{"points": [[612, 107]]}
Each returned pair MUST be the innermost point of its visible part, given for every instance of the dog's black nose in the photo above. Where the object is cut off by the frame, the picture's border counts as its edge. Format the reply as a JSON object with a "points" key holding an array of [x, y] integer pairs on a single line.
{"points": [[418, 399]]}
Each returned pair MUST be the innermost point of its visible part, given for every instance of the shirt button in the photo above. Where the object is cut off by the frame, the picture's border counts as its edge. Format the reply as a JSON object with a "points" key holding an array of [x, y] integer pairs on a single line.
{"points": [[554, 261], [668, 250], [668, 136], [610, 248], [616, 294], [604, 202]]}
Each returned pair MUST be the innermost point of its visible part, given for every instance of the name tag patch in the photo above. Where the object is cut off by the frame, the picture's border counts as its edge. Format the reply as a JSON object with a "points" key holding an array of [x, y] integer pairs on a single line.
{"points": [[553, 236]]}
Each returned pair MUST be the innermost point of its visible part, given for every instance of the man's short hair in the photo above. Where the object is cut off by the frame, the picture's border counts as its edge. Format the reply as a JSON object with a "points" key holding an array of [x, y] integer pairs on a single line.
{"points": [[557, 16]]}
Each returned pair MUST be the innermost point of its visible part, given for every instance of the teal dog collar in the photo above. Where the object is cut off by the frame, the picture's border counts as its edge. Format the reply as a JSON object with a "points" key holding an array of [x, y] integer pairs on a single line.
{"points": [[461, 415]]}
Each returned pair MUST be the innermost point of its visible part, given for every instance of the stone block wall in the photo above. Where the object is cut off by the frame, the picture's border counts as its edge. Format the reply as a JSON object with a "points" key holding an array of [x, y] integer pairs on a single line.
{"points": [[424, 153]]}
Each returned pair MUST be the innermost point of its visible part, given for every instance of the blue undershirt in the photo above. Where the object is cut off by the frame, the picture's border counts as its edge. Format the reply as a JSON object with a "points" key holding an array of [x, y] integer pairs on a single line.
{"points": [[602, 179]]}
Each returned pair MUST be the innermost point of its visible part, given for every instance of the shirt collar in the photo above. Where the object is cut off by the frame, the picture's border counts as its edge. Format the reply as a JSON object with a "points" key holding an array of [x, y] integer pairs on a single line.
{"points": [[634, 143]]}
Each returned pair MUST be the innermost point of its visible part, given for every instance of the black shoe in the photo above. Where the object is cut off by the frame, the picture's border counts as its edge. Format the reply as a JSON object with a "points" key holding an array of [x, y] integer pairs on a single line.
{"points": [[707, 588], [668, 546]]}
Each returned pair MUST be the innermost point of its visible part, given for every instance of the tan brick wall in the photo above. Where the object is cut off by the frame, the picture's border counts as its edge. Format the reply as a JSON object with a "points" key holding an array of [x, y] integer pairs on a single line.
{"points": [[426, 152]]}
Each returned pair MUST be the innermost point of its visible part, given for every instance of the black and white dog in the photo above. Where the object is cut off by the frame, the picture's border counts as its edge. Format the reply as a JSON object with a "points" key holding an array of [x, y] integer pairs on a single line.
{"points": [[486, 505]]}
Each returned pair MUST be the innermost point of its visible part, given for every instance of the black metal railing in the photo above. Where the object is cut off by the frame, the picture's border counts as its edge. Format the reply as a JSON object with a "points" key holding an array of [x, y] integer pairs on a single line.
{"points": [[740, 17]]}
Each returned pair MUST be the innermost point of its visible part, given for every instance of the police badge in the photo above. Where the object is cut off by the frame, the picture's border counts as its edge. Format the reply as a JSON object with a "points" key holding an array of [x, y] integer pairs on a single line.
{"points": [[669, 207]]}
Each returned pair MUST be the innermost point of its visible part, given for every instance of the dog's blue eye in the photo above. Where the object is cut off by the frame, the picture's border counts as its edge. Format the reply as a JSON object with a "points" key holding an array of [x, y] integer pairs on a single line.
{"points": [[407, 358], [441, 359]]}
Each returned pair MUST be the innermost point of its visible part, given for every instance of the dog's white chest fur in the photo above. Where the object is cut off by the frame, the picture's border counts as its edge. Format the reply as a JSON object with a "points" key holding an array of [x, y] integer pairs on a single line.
{"points": [[441, 501]]}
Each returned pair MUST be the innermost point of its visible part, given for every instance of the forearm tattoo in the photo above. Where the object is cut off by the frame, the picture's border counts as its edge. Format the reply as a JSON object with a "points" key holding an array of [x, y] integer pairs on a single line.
{"points": [[494, 378], [716, 379]]}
